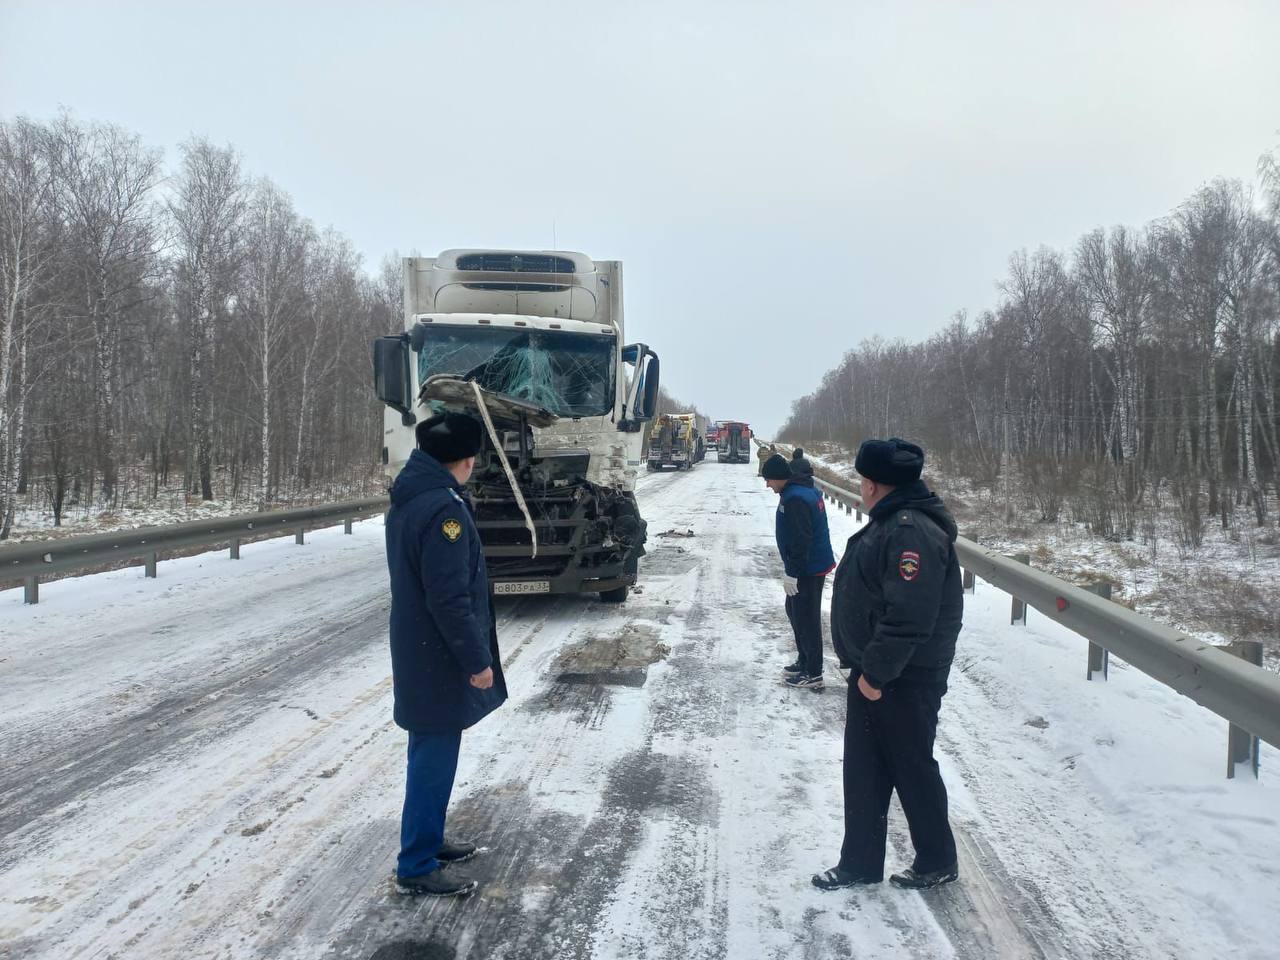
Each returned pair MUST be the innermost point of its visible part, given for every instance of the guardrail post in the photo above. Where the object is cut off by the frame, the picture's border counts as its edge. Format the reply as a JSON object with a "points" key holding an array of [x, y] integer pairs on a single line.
{"points": [[31, 590], [1242, 746], [1018, 613], [1099, 657], [346, 525], [235, 548], [300, 536], [859, 514], [151, 565], [969, 579]]}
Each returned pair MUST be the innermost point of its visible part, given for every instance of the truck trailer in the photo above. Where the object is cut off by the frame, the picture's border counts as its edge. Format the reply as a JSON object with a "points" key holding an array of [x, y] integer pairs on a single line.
{"points": [[533, 344]]}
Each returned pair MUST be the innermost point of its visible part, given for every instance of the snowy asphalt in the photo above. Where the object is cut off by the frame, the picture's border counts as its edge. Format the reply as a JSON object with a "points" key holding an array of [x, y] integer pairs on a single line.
{"points": [[204, 766]]}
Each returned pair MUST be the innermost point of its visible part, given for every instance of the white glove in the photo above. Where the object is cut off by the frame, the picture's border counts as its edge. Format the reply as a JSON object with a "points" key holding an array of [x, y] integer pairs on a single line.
{"points": [[790, 585]]}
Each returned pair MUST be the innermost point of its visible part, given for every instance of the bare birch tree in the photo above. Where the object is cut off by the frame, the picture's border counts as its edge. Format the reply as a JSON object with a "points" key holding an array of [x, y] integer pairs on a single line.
{"points": [[207, 210], [272, 281], [26, 193], [105, 179]]}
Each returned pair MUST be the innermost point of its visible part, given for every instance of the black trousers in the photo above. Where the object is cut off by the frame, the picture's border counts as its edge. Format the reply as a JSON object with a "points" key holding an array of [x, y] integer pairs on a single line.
{"points": [[804, 610], [888, 745]]}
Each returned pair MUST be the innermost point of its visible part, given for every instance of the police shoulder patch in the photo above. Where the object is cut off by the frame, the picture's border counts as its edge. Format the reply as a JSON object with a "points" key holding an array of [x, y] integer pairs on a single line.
{"points": [[909, 564], [451, 529]]}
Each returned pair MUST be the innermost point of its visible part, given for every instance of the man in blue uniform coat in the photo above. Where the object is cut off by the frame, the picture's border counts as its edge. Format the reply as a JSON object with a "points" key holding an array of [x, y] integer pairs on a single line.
{"points": [[446, 671], [805, 545]]}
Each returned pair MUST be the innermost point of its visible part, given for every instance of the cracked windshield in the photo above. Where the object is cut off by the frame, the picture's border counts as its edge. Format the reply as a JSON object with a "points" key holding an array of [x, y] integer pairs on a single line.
{"points": [[570, 374]]}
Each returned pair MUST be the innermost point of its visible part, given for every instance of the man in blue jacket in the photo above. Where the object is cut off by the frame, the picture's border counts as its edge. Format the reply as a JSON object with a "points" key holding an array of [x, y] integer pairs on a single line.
{"points": [[445, 666], [805, 544]]}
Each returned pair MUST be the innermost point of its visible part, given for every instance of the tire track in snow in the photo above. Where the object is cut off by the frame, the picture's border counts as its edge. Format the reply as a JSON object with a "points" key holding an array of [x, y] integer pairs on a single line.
{"points": [[551, 870], [124, 748]]}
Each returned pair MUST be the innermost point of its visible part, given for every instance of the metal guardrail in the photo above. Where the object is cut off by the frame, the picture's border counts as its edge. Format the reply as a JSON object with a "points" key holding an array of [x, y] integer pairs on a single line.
{"points": [[1238, 690], [30, 560]]}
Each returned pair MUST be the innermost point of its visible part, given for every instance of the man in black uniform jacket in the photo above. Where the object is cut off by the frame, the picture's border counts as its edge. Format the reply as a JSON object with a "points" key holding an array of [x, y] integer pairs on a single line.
{"points": [[801, 468], [895, 616]]}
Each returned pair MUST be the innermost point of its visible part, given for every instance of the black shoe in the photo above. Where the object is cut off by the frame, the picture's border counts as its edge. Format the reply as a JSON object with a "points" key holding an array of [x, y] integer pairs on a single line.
{"points": [[793, 670], [456, 852], [923, 881], [838, 879], [437, 883], [806, 680]]}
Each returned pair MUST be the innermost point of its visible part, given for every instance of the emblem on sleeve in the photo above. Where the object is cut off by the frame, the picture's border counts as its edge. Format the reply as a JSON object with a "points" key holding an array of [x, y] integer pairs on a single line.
{"points": [[452, 530], [909, 564]]}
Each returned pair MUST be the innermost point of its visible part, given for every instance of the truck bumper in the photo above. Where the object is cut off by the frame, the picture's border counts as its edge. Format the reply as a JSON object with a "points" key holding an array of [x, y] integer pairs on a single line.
{"points": [[593, 545]]}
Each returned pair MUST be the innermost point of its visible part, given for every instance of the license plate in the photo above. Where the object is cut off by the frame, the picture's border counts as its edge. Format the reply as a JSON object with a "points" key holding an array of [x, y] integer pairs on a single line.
{"points": [[523, 586]]}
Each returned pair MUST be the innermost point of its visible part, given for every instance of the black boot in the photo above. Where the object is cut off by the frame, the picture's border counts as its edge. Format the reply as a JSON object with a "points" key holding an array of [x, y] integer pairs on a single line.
{"points": [[459, 852], [923, 881], [792, 671], [837, 879], [438, 883]]}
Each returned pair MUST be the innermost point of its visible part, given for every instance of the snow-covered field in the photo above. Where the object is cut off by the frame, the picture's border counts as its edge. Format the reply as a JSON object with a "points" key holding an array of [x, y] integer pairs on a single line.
{"points": [[33, 518], [203, 765]]}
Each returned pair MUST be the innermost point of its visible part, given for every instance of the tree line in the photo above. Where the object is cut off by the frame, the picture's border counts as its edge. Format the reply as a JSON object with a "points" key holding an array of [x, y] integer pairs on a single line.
{"points": [[187, 325], [1137, 369]]}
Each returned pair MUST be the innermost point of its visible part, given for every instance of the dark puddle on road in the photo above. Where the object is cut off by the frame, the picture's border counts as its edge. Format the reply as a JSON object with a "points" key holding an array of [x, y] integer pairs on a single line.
{"points": [[619, 661], [414, 950], [644, 783], [670, 560], [585, 673]]}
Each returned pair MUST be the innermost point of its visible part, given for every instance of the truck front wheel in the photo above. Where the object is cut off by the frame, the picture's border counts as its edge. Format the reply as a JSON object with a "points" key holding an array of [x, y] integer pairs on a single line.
{"points": [[616, 595]]}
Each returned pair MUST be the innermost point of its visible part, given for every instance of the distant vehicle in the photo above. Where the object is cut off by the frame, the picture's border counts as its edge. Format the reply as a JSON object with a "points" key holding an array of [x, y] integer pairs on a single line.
{"points": [[533, 339], [676, 442], [713, 434], [735, 443]]}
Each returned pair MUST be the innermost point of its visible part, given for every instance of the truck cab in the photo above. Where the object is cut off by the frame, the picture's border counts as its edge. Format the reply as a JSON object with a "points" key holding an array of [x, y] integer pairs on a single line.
{"points": [[532, 343]]}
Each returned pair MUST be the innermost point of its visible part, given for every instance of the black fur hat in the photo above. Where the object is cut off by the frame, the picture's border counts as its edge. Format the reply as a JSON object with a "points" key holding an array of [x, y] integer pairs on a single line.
{"points": [[892, 462], [776, 468], [450, 436]]}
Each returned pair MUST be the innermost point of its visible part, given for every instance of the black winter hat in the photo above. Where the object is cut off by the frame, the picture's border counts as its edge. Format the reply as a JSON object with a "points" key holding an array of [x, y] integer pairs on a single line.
{"points": [[776, 468], [450, 436], [797, 453], [892, 462]]}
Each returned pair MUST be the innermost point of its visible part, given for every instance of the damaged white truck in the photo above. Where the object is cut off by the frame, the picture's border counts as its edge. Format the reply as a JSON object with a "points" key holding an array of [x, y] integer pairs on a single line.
{"points": [[531, 342]]}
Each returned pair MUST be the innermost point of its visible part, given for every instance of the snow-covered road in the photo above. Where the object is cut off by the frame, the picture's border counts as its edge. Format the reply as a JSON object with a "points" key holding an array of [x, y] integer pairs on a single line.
{"points": [[204, 765]]}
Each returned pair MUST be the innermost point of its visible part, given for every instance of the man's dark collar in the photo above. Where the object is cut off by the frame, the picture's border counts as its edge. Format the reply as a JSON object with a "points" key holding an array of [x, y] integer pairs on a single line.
{"points": [[897, 497]]}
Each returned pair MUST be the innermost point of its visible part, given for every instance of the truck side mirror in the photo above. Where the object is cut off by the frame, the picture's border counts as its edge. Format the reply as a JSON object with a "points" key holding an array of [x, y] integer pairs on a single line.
{"points": [[392, 378], [649, 400], [641, 397]]}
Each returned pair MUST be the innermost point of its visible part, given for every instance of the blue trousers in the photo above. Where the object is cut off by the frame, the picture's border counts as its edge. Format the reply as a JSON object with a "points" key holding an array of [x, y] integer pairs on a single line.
{"points": [[433, 762]]}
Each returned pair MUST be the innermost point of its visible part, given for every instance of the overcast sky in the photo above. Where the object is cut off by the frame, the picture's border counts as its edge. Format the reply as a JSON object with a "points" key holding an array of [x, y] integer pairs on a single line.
{"points": [[781, 180]]}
